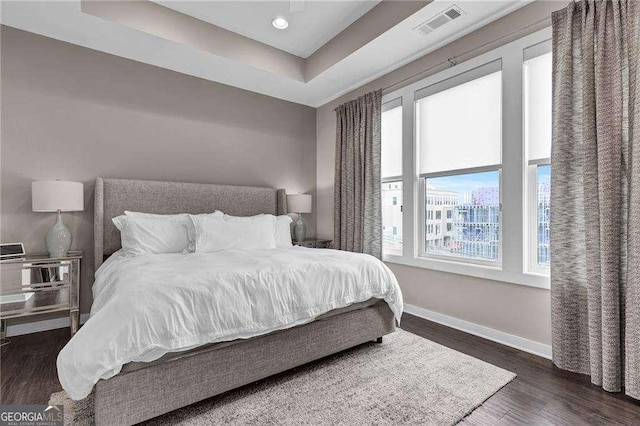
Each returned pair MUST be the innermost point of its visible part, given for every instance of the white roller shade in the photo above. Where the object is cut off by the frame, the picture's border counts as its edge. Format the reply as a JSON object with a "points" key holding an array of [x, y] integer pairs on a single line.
{"points": [[461, 127], [391, 151], [537, 107]]}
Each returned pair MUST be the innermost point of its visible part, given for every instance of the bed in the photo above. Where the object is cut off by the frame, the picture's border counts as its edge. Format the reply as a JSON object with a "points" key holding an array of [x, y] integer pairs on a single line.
{"points": [[143, 390]]}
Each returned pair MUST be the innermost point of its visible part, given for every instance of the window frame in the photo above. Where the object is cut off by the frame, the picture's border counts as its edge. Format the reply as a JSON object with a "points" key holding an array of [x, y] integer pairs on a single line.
{"points": [[513, 265], [387, 105], [422, 253], [531, 176]]}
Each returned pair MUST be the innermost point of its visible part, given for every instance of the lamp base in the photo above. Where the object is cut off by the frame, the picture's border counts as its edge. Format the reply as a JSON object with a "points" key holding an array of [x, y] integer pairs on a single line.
{"points": [[299, 229], [58, 239]]}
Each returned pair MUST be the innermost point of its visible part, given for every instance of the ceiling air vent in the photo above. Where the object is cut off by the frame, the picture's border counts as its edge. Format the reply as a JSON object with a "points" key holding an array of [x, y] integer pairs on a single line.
{"points": [[453, 13], [439, 20]]}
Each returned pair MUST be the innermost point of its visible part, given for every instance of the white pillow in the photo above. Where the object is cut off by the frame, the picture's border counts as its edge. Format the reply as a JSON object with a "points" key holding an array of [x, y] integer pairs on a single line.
{"points": [[148, 235], [182, 217], [283, 231], [217, 233]]}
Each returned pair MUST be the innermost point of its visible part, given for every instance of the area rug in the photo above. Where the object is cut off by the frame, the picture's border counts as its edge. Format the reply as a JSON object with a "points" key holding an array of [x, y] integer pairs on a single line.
{"points": [[405, 380]]}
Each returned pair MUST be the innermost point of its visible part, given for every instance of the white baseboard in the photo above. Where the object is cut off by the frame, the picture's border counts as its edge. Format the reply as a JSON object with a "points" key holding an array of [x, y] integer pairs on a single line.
{"points": [[497, 336], [44, 325]]}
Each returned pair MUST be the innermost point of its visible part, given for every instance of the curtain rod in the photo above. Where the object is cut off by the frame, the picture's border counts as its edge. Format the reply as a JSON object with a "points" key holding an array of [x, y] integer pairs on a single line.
{"points": [[455, 60]]}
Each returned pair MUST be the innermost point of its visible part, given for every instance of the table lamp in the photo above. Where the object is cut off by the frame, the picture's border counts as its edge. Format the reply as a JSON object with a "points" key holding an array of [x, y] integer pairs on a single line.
{"points": [[57, 196], [299, 203]]}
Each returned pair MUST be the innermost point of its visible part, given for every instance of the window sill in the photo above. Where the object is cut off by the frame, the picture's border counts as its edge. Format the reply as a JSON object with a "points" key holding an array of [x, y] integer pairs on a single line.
{"points": [[478, 271]]}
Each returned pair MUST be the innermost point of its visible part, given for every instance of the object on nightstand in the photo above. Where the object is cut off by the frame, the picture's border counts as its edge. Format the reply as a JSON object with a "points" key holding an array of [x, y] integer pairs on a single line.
{"points": [[299, 203], [57, 196], [11, 250], [314, 243]]}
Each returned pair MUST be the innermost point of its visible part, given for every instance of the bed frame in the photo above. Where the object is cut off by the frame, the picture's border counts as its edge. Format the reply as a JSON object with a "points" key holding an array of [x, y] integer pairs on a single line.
{"points": [[138, 394]]}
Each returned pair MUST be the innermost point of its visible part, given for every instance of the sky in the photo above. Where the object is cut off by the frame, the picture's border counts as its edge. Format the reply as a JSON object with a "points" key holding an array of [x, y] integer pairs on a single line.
{"points": [[471, 181], [544, 174], [465, 183]]}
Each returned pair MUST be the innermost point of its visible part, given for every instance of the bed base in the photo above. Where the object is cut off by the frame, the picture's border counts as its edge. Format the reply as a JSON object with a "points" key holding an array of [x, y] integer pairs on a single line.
{"points": [[138, 395]]}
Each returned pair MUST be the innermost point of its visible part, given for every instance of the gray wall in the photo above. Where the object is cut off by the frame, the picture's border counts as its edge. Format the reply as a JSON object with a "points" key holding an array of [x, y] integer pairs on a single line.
{"points": [[72, 113], [515, 309]]}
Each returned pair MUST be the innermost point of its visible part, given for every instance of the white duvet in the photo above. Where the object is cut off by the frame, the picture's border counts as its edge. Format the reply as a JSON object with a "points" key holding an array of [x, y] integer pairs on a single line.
{"points": [[149, 305]]}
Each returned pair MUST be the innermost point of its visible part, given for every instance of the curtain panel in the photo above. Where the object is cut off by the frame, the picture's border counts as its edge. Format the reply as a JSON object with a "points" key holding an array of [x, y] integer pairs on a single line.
{"points": [[595, 193], [357, 205]]}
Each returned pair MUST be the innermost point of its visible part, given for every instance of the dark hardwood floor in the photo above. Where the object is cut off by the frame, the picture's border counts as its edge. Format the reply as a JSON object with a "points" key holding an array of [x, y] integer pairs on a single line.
{"points": [[540, 395]]}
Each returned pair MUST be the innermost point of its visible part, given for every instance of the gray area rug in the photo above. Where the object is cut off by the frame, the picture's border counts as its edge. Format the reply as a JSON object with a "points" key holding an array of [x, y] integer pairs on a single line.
{"points": [[404, 380]]}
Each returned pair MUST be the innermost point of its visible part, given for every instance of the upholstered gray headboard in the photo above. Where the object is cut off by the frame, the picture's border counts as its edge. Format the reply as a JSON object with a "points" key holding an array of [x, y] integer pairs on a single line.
{"points": [[114, 196]]}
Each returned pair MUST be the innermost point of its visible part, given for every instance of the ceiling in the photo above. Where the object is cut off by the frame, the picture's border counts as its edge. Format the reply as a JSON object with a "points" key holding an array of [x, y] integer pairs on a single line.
{"points": [[311, 23], [382, 40]]}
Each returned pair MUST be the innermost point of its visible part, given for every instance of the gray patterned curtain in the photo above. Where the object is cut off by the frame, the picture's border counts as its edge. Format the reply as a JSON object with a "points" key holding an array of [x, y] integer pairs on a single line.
{"points": [[595, 193], [357, 215]]}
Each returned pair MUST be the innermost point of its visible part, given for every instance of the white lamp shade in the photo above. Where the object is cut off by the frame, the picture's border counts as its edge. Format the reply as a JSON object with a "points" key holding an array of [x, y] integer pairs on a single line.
{"points": [[299, 203], [54, 195]]}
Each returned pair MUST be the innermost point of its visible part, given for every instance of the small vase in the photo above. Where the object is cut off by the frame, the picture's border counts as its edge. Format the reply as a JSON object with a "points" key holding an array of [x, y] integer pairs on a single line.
{"points": [[299, 229], [58, 239]]}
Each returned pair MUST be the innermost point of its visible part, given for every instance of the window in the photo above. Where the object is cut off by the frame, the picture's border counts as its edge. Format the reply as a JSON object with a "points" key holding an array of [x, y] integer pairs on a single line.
{"points": [[391, 218], [476, 177], [475, 233], [537, 135], [449, 153], [543, 213], [391, 170]]}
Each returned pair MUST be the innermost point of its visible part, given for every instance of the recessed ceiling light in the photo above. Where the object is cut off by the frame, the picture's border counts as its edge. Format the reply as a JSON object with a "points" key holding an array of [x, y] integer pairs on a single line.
{"points": [[280, 23]]}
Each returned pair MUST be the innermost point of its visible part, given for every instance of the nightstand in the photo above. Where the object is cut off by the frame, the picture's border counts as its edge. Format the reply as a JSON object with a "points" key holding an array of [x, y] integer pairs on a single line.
{"points": [[314, 243], [38, 284]]}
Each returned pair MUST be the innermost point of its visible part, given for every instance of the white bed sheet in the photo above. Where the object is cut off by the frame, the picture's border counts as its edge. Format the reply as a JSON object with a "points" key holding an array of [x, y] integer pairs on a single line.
{"points": [[147, 306]]}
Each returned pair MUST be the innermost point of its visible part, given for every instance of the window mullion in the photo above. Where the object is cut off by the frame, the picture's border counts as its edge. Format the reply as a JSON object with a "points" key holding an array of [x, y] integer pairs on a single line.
{"points": [[409, 166], [513, 183]]}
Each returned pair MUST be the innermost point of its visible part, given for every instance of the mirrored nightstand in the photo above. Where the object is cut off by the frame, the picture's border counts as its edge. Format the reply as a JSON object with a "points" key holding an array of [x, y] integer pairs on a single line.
{"points": [[38, 284]]}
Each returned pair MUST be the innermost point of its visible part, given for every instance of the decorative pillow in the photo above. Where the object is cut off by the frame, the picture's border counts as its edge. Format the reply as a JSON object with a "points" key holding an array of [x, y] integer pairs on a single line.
{"points": [[217, 233], [148, 235]]}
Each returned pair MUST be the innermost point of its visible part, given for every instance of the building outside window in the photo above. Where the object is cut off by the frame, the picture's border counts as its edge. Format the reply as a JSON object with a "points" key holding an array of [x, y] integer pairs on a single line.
{"points": [[543, 213], [474, 230], [391, 170]]}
